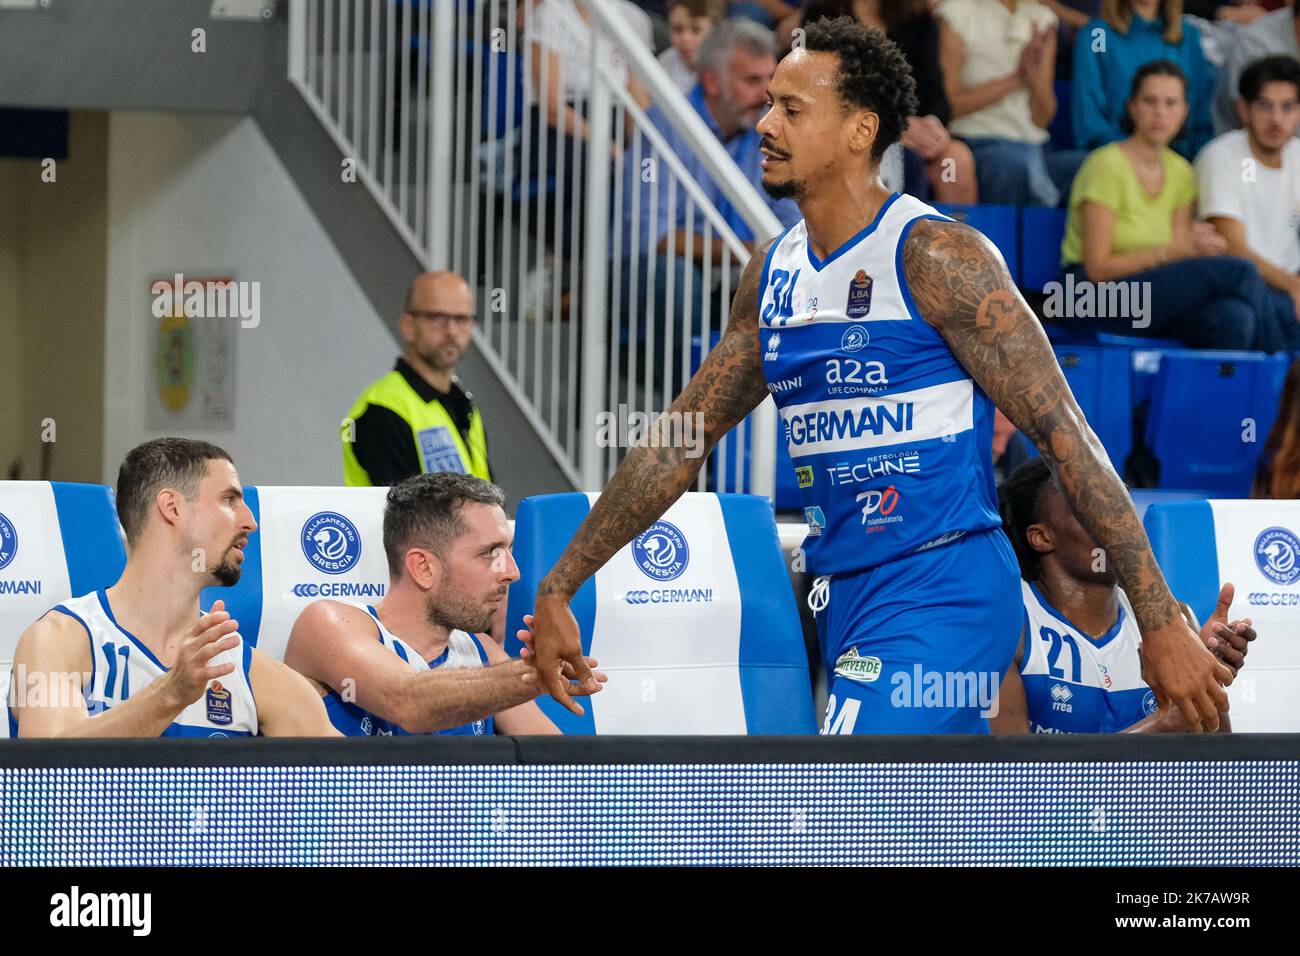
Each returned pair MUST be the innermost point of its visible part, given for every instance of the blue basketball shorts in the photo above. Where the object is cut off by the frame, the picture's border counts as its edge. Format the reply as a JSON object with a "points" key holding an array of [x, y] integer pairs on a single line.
{"points": [[920, 645]]}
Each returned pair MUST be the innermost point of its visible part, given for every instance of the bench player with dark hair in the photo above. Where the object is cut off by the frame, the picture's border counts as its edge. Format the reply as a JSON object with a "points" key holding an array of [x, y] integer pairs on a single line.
{"points": [[418, 662], [141, 658], [1078, 668], [886, 334]]}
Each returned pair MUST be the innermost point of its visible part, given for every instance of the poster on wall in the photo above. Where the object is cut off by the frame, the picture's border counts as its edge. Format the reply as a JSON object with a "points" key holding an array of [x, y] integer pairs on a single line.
{"points": [[191, 358]]}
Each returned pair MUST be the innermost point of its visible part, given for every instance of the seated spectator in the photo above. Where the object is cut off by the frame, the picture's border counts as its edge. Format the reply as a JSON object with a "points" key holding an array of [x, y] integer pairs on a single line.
{"points": [[558, 38], [1109, 51], [1277, 32], [936, 166], [1079, 632], [766, 13], [1278, 475], [1131, 219], [141, 658], [998, 62], [1216, 10], [736, 62], [419, 662], [1249, 178], [689, 22]]}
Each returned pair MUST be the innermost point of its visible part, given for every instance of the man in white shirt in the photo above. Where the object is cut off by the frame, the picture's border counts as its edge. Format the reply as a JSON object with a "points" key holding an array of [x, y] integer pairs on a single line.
{"points": [[1249, 179], [1274, 32]]}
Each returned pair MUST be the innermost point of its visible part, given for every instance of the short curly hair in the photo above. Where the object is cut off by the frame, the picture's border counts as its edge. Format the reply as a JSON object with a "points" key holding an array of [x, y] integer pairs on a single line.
{"points": [[873, 75], [424, 510]]}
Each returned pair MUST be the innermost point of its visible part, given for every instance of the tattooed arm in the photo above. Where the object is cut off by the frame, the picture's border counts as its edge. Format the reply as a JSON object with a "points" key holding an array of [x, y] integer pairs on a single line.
{"points": [[727, 387], [962, 288]]}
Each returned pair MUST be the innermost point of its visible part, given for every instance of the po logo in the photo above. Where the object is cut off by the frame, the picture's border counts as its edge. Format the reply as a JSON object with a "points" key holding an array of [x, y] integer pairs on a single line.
{"points": [[661, 551], [1277, 553], [331, 543]]}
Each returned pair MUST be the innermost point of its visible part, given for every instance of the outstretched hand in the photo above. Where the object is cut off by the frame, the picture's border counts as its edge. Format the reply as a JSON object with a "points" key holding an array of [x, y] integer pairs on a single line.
{"points": [[560, 677]]}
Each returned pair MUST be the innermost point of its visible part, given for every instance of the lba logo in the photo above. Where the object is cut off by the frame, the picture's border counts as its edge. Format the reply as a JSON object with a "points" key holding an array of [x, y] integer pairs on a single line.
{"points": [[661, 552], [1277, 553], [8, 542], [331, 543]]}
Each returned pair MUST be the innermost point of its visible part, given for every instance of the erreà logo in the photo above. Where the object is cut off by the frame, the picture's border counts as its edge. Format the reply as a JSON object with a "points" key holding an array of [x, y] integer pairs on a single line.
{"points": [[661, 551], [865, 670], [331, 542]]}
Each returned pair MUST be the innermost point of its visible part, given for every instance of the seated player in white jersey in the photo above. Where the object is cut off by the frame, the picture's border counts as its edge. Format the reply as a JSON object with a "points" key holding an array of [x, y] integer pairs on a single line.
{"points": [[141, 658], [420, 662], [1078, 668], [885, 333]]}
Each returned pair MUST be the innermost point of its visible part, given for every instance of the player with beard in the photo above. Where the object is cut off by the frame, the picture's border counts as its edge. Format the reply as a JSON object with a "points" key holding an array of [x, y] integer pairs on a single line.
{"points": [[418, 663], [141, 658], [886, 334]]}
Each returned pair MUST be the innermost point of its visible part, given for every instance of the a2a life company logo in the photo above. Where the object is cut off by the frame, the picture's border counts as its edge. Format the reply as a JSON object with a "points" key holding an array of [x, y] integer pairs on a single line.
{"points": [[331, 543], [661, 551]]}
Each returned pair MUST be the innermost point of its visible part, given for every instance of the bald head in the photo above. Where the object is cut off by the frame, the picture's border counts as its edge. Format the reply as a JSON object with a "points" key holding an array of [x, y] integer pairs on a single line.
{"points": [[436, 326], [444, 292]]}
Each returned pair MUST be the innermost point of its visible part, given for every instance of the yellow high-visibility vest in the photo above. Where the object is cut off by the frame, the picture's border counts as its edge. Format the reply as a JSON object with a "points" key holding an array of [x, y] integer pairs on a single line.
{"points": [[439, 445]]}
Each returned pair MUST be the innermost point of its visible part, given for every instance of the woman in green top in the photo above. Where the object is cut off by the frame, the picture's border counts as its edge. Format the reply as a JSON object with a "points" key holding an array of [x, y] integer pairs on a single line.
{"points": [[1131, 227]]}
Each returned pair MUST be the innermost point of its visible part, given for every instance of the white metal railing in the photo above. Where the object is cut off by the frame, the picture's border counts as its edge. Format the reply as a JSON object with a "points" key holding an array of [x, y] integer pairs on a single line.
{"points": [[432, 104]]}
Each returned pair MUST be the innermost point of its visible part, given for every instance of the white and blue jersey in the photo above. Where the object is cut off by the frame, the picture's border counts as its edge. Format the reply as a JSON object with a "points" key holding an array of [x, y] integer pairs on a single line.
{"points": [[889, 435], [463, 650], [1080, 684], [892, 442], [121, 665]]}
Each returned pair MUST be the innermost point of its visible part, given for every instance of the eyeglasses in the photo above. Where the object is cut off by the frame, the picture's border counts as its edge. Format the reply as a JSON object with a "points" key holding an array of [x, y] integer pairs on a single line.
{"points": [[441, 320]]}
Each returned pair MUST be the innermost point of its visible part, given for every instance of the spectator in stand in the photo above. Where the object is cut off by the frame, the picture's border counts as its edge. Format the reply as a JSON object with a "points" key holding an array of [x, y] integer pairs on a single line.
{"points": [[936, 167], [1278, 475], [558, 37], [998, 62], [1213, 10], [689, 22], [1131, 219], [736, 62], [1249, 179], [766, 13], [1109, 51], [1274, 33]]}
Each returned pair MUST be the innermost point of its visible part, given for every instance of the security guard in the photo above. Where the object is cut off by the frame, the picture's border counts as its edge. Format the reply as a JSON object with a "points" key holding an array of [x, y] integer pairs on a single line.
{"points": [[417, 418]]}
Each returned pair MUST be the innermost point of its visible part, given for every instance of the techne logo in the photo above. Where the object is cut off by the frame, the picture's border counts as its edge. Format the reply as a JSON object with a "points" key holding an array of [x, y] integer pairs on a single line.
{"points": [[329, 589], [670, 596], [828, 426], [74, 908], [661, 551], [1276, 553], [330, 542], [1149, 704]]}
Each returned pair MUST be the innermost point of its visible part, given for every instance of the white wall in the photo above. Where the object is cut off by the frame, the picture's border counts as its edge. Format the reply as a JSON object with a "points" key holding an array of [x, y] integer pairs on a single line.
{"points": [[204, 192]]}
